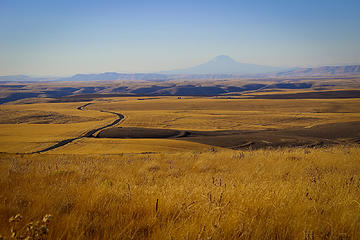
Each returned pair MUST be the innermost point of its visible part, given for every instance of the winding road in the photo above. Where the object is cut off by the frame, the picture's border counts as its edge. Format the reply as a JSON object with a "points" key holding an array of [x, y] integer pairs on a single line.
{"points": [[87, 134], [315, 136]]}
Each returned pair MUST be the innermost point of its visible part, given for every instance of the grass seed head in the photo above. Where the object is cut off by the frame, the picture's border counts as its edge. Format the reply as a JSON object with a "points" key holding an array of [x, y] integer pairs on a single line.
{"points": [[16, 218]]}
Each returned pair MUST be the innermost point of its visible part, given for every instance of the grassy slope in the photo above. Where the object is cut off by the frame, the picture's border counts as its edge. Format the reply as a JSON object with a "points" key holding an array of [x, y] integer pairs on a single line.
{"points": [[29, 137], [263, 194]]}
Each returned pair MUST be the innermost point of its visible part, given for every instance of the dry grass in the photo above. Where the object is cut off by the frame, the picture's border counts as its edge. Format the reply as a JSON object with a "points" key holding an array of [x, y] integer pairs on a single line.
{"points": [[29, 137], [32, 231], [263, 194], [236, 114], [176, 189], [118, 146], [166, 112]]}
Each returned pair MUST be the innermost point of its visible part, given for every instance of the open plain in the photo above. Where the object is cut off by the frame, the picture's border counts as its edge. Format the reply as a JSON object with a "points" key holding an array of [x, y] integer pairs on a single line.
{"points": [[234, 123], [243, 166]]}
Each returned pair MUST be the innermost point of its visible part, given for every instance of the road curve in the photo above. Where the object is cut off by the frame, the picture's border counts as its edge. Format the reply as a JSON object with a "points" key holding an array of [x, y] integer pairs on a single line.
{"points": [[87, 134]]}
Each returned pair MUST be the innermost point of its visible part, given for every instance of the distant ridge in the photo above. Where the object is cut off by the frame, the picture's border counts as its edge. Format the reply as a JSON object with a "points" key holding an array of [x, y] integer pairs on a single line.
{"points": [[22, 78], [111, 76], [221, 62], [322, 71], [225, 65]]}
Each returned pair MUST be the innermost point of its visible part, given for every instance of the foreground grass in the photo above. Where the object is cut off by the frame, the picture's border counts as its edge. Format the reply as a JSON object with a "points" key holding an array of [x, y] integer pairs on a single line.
{"points": [[262, 194]]}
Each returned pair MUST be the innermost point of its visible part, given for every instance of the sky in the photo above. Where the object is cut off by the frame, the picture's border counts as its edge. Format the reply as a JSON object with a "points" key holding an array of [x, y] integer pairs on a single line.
{"points": [[65, 37]]}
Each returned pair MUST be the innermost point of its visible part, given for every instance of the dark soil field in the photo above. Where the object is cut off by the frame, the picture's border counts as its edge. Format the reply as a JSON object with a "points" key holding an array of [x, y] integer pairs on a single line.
{"points": [[316, 136], [131, 132]]}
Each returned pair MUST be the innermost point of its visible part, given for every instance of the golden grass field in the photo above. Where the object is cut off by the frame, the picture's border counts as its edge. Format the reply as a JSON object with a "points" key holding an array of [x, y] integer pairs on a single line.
{"points": [[215, 114], [102, 188], [262, 194]]}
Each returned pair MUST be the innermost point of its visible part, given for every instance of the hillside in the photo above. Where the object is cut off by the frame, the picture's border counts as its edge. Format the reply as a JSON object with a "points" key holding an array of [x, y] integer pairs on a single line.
{"points": [[245, 87], [323, 71]]}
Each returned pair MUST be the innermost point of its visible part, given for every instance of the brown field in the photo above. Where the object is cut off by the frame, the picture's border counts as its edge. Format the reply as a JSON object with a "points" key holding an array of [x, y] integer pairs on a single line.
{"points": [[190, 168]]}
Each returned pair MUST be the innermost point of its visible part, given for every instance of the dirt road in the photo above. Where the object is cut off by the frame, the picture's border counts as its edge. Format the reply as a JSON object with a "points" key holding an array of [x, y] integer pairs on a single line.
{"points": [[87, 134]]}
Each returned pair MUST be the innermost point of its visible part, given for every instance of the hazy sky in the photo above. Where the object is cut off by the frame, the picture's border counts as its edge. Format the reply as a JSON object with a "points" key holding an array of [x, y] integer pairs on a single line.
{"points": [[65, 37]]}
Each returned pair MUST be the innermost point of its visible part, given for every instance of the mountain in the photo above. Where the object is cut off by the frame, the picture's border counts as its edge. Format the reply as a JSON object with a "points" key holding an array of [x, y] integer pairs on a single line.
{"points": [[322, 71], [110, 76], [221, 67], [21, 78], [107, 76], [225, 65]]}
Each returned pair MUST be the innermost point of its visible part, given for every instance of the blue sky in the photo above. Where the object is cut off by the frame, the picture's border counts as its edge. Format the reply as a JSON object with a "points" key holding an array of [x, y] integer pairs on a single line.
{"points": [[67, 37]]}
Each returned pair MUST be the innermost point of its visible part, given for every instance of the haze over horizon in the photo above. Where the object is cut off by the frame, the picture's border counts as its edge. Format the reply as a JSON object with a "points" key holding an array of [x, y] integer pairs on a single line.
{"points": [[66, 37]]}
